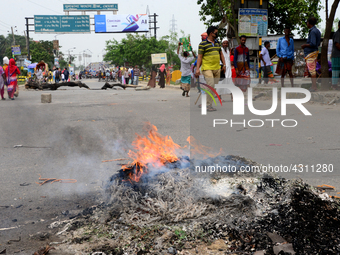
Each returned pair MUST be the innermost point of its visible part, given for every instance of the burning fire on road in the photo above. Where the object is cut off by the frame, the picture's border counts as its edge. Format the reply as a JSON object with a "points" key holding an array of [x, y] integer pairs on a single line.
{"points": [[158, 204]]}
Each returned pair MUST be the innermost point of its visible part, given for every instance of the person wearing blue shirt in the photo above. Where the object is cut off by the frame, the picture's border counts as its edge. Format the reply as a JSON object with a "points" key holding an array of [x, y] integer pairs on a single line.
{"points": [[311, 50], [285, 52]]}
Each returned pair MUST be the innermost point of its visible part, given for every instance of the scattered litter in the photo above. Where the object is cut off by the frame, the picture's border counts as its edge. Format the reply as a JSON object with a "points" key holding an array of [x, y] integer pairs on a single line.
{"points": [[325, 186], [18, 206], [67, 226], [44, 251], [2, 229], [33, 147], [51, 180], [98, 253], [117, 159], [43, 196], [4, 206], [3, 251], [24, 184], [14, 240], [58, 223]]}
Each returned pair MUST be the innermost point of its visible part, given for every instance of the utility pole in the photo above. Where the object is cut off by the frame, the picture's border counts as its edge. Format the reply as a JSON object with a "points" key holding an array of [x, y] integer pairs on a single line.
{"points": [[28, 37], [154, 22], [13, 36]]}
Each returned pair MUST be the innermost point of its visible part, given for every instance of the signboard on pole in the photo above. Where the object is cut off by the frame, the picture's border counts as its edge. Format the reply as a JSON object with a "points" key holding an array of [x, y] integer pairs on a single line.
{"points": [[26, 64], [16, 50], [56, 44], [159, 58], [56, 62], [52, 24], [253, 22], [90, 7], [123, 23]]}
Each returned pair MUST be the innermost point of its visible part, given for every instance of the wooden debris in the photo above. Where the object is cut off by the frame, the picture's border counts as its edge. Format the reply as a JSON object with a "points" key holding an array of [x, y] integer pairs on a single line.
{"points": [[54, 86], [117, 84], [51, 180]]}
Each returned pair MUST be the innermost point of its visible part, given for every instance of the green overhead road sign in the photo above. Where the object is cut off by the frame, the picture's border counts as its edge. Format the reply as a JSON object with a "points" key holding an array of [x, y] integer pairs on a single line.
{"points": [[90, 7], [52, 24]]}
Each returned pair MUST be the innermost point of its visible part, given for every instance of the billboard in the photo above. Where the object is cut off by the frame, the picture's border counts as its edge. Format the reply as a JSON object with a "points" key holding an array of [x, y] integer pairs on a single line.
{"points": [[253, 22], [123, 23], [51, 24], [159, 58]]}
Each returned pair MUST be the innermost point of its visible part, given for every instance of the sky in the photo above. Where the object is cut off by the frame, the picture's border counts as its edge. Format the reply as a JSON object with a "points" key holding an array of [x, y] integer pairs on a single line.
{"points": [[185, 13]]}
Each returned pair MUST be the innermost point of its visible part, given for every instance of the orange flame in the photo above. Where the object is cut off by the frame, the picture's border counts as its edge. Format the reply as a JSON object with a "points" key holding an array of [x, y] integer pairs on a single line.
{"points": [[154, 150]]}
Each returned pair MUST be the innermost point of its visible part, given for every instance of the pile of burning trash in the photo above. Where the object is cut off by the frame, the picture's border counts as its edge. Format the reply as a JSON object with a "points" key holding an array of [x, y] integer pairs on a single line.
{"points": [[159, 204]]}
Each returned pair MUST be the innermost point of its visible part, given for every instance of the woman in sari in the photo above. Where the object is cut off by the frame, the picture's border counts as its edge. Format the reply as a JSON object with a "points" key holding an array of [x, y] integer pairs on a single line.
{"points": [[11, 72], [162, 75]]}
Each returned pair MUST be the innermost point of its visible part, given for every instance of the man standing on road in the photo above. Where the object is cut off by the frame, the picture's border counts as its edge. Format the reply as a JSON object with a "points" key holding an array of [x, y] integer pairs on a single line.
{"points": [[209, 57], [336, 58], [185, 69], [136, 73], [242, 63], [265, 61], [311, 50], [285, 52], [66, 74]]}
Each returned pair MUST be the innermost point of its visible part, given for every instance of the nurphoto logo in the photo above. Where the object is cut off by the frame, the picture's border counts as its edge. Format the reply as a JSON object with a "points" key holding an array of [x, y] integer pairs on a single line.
{"points": [[239, 105]]}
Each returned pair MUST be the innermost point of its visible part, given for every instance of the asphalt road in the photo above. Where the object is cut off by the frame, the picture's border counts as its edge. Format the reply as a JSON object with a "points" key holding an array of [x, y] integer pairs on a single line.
{"points": [[69, 139]]}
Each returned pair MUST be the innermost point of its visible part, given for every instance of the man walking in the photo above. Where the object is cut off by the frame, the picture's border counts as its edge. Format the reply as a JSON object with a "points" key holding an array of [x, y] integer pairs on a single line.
{"points": [[285, 52], [311, 50], [242, 63], [336, 58], [265, 61], [209, 57], [136, 73]]}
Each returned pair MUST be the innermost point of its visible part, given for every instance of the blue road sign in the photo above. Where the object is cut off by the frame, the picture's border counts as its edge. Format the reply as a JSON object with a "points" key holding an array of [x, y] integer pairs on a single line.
{"points": [[52, 24]]}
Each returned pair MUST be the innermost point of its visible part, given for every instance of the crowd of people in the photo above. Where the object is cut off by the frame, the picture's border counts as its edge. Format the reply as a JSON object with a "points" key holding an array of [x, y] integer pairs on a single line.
{"points": [[215, 61]]}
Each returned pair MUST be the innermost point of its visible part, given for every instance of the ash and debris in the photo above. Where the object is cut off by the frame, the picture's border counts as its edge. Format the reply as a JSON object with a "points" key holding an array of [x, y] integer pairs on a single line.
{"points": [[180, 212]]}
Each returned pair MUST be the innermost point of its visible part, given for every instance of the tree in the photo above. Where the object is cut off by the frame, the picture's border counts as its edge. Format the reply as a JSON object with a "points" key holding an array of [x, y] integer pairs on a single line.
{"points": [[42, 50], [137, 50], [293, 13], [7, 42], [324, 47]]}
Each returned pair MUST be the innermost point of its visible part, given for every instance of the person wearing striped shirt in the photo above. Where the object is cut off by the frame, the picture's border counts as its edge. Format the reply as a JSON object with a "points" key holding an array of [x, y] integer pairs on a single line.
{"points": [[209, 57]]}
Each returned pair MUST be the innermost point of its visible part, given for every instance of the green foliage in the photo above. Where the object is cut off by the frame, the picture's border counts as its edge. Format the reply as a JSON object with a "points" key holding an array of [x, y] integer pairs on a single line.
{"points": [[293, 13], [137, 50], [42, 50], [214, 11]]}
